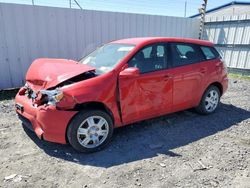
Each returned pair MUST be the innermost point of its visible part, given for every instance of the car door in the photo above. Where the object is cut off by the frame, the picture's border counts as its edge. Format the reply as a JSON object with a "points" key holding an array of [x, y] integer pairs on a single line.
{"points": [[188, 75], [149, 94]]}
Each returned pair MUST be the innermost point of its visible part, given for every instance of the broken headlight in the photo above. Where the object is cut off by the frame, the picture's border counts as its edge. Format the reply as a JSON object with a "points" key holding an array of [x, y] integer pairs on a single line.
{"points": [[52, 96]]}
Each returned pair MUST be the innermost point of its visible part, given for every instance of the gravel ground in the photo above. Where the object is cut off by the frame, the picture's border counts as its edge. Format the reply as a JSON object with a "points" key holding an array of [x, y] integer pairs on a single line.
{"points": [[178, 150]]}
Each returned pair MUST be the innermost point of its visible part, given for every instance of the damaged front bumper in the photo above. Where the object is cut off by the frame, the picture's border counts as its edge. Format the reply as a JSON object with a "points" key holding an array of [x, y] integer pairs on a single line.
{"points": [[46, 121]]}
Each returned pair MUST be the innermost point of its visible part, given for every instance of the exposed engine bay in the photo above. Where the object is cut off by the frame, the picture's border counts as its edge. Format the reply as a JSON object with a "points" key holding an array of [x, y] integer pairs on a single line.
{"points": [[54, 94]]}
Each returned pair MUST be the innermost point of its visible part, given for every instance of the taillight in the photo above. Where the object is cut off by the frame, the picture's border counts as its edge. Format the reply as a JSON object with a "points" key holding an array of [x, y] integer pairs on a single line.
{"points": [[224, 65]]}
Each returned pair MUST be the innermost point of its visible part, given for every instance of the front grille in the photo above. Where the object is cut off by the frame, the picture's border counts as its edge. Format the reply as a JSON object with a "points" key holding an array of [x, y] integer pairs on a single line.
{"points": [[30, 93], [37, 98]]}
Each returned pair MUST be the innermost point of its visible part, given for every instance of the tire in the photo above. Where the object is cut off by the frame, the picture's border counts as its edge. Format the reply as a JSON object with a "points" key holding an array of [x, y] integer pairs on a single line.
{"points": [[211, 97], [90, 131]]}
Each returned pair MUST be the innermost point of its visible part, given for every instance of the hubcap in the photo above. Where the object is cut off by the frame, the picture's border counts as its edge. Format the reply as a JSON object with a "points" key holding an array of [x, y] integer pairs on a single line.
{"points": [[93, 131], [211, 100]]}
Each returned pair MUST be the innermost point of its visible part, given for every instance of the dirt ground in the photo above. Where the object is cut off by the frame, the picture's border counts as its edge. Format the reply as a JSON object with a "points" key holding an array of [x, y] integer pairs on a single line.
{"points": [[178, 150]]}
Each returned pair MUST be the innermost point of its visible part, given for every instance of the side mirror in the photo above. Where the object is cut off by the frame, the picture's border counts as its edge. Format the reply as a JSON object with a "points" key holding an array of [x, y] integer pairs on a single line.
{"points": [[130, 72]]}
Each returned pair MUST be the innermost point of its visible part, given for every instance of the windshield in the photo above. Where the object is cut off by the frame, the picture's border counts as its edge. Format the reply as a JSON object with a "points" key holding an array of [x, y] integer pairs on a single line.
{"points": [[106, 57]]}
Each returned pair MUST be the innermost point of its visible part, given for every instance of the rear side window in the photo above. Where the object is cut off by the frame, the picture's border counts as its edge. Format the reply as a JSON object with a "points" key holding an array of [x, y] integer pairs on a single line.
{"points": [[184, 54], [209, 52], [184, 49]]}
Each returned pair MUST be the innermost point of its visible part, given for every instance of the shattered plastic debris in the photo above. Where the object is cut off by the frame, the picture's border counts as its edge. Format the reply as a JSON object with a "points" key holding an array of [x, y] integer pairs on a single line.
{"points": [[15, 178]]}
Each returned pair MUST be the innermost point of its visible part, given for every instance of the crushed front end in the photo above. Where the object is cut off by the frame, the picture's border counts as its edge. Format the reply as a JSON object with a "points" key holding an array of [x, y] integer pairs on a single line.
{"points": [[38, 112]]}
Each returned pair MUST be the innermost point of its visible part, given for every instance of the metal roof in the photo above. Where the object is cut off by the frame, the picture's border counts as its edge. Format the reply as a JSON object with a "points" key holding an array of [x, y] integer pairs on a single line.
{"points": [[223, 6]]}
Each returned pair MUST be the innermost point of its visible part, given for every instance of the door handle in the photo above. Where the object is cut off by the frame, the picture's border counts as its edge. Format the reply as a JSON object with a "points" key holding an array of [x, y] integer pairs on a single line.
{"points": [[167, 77], [203, 70]]}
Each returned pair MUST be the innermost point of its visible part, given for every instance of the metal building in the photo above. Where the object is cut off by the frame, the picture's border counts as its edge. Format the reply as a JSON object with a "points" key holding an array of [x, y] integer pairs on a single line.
{"points": [[228, 26], [230, 9]]}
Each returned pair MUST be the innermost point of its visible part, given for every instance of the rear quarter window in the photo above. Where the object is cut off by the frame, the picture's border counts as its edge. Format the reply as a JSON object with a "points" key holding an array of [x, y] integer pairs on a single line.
{"points": [[209, 52]]}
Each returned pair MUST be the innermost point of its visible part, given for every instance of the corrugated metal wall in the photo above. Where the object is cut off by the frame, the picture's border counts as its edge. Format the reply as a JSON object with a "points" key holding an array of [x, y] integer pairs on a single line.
{"points": [[29, 32], [231, 34]]}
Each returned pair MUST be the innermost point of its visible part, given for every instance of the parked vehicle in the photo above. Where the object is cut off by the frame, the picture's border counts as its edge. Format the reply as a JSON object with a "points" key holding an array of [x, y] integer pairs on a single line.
{"points": [[120, 83]]}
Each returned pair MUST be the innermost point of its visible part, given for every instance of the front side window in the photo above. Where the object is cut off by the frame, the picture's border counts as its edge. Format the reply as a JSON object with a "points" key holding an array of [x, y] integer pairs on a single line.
{"points": [[184, 54], [105, 58], [150, 58]]}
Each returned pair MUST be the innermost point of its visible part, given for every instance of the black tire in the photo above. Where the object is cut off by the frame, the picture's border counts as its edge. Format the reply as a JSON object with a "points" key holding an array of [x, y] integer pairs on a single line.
{"points": [[201, 109], [77, 121]]}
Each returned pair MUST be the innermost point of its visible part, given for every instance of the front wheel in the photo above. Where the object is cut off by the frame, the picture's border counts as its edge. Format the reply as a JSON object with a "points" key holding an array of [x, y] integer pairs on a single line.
{"points": [[90, 131], [210, 101]]}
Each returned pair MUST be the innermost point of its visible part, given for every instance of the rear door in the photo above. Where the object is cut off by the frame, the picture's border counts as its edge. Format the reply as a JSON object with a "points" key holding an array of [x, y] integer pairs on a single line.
{"points": [[149, 94], [188, 75]]}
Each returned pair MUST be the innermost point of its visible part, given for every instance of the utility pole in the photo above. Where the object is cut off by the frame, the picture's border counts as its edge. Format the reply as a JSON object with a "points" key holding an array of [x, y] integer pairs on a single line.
{"points": [[69, 3], [33, 2], [202, 11], [185, 9]]}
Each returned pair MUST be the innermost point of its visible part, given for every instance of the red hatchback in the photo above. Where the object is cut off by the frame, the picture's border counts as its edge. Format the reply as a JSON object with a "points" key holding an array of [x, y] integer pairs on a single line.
{"points": [[122, 82]]}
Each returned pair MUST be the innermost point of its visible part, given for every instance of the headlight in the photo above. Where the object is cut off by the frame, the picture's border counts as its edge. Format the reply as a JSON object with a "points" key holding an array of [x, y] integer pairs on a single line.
{"points": [[53, 96]]}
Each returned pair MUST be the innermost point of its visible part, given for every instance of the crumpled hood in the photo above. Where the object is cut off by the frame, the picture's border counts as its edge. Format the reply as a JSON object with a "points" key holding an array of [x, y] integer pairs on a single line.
{"points": [[46, 73]]}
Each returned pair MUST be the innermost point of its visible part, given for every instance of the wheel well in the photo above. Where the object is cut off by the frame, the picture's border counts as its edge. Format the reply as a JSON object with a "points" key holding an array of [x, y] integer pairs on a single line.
{"points": [[92, 106], [218, 85]]}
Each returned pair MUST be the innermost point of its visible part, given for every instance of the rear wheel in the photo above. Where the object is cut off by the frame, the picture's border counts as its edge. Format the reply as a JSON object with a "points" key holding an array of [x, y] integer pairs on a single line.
{"points": [[210, 101], [90, 131]]}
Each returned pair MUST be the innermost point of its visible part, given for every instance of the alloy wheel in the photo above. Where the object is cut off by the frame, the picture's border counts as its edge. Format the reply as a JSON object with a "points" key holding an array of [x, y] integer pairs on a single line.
{"points": [[211, 100], [93, 131]]}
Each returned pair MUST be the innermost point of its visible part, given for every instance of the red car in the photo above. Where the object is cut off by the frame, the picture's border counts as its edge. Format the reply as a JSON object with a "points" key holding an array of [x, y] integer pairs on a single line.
{"points": [[120, 83]]}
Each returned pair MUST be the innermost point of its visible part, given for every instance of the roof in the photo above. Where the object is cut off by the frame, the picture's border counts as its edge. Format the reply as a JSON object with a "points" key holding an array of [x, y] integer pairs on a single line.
{"points": [[148, 40], [223, 6]]}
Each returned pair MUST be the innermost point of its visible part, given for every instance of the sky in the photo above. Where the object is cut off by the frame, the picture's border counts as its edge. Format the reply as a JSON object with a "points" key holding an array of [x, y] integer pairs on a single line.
{"points": [[155, 7]]}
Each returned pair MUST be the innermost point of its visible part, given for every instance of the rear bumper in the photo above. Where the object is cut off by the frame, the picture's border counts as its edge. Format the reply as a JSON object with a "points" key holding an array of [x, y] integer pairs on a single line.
{"points": [[47, 122]]}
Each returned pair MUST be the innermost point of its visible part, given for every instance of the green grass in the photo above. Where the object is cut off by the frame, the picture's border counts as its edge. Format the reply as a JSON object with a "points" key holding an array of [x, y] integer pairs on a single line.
{"points": [[233, 75], [8, 94]]}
